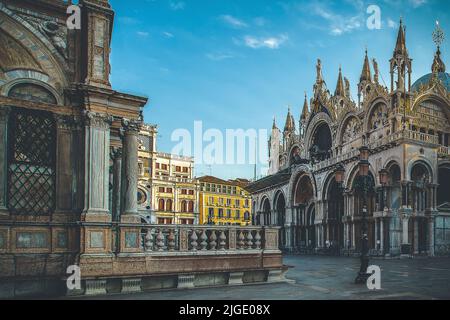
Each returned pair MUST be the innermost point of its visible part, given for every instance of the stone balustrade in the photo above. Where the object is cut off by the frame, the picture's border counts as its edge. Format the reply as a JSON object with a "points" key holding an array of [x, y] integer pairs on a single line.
{"points": [[191, 238], [386, 140]]}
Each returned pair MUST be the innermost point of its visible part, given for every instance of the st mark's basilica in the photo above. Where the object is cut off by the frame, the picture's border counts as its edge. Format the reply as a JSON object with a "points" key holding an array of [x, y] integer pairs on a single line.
{"points": [[406, 128]]}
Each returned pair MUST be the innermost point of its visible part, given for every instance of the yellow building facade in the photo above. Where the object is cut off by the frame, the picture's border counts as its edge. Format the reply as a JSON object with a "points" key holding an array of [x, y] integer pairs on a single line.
{"points": [[167, 192], [224, 202]]}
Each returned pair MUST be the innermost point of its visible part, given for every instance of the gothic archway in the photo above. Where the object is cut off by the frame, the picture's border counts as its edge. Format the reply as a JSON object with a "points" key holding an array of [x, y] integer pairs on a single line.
{"points": [[280, 210], [443, 193], [302, 200], [334, 227], [322, 142]]}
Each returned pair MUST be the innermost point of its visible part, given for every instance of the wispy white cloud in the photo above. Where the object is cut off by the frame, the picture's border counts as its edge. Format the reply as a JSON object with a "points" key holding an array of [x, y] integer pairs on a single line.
{"points": [[417, 3], [391, 23], [219, 56], [265, 42], [168, 34], [177, 5], [142, 33], [337, 24], [232, 21]]}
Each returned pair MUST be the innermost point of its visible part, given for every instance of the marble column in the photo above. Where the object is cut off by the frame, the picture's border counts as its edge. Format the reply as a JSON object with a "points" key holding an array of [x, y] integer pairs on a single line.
{"points": [[416, 235], [431, 236], [377, 237], [130, 170], [96, 180], [116, 155], [405, 230], [382, 235], [4, 114]]}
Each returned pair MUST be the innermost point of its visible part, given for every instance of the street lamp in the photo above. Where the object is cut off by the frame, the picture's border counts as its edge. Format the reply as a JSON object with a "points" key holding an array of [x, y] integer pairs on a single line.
{"points": [[339, 173], [384, 176], [363, 188]]}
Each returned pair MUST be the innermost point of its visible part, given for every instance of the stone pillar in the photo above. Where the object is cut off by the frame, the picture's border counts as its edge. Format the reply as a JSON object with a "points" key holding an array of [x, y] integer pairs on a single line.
{"points": [[405, 229], [416, 235], [4, 114], [96, 164], [116, 155], [354, 235], [130, 171], [431, 236], [382, 235]]}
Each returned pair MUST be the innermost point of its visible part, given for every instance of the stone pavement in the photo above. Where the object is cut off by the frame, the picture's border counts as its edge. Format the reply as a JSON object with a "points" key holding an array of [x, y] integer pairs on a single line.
{"points": [[321, 277]]}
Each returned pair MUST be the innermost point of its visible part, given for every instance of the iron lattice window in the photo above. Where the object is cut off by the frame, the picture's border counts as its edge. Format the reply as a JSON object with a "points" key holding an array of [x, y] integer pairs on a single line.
{"points": [[31, 162]]}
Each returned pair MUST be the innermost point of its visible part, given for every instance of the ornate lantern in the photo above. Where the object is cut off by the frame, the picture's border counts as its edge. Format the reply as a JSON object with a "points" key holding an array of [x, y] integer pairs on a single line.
{"points": [[364, 161], [339, 174], [384, 176]]}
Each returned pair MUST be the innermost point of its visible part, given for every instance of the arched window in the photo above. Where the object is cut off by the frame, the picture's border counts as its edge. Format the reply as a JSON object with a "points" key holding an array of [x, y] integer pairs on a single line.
{"points": [[191, 206], [161, 205], [32, 92], [169, 205], [183, 206], [31, 162]]}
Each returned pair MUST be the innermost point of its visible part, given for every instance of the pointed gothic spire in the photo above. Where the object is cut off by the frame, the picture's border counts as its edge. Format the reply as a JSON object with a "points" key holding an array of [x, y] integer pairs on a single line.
{"points": [[340, 89], [366, 74], [400, 47], [289, 126], [274, 125], [305, 111]]}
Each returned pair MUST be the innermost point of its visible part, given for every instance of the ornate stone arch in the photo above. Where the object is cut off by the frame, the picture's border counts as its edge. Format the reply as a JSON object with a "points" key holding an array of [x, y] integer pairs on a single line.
{"points": [[433, 97], [24, 81], [344, 124], [371, 108], [317, 120], [263, 200], [296, 177], [33, 43], [277, 194], [351, 174], [420, 159]]}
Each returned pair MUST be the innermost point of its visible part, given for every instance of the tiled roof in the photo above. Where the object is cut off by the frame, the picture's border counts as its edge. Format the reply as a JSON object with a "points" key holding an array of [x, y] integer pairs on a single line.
{"points": [[278, 178]]}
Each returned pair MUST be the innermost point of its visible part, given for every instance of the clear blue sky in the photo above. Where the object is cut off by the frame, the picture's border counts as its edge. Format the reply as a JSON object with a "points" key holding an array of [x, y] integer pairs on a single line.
{"points": [[238, 63]]}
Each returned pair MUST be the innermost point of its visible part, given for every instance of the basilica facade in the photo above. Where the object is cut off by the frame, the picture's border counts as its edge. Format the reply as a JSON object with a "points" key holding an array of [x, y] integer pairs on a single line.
{"points": [[406, 127]]}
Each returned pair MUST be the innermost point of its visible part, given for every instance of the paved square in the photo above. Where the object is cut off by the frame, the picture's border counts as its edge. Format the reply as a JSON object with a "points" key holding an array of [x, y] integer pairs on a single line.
{"points": [[321, 277]]}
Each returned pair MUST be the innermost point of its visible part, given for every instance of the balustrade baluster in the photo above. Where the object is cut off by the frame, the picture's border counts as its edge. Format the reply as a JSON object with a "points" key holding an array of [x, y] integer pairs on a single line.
{"points": [[212, 240], [171, 240], [222, 239], [257, 240], [203, 237], [160, 240], [194, 239], [241, 242], [149, 240], [249, 240]]}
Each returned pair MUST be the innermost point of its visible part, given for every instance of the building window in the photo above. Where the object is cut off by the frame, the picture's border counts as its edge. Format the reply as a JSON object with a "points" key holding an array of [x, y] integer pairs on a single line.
{"points": [[191, 192], [169, 190], [185, 169], [191, 206], [31, 162], [228, 202], [246, 203], [238, 214], [157, 165], [211, 213], [238, 203], [169, 205], [183, 191], [161, 205], [228, 213], [178, 169], [164, 166], [183, 206], [247, 215], [161, 189], [220, 213]]}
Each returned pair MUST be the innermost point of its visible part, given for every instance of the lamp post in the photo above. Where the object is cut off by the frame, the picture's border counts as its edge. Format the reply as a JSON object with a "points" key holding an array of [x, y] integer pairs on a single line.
{"points": [[363, 188], [339, 173], [384, 176]]}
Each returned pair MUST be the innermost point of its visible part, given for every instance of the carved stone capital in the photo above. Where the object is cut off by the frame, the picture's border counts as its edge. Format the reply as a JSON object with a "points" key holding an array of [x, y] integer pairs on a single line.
{"points": [[98, 120], [130, 126], [116, 153]]}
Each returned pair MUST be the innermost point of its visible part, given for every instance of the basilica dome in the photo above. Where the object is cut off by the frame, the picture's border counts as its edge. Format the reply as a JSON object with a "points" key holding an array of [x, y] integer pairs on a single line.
{"points": [[443, 76]]}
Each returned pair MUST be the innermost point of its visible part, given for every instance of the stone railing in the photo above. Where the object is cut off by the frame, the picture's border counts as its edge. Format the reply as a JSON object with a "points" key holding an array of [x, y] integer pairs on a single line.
{"points": [[444, 151], [196, 238], [386, 140]]}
